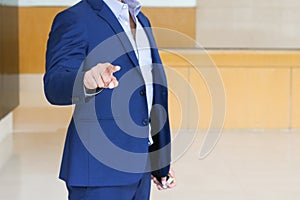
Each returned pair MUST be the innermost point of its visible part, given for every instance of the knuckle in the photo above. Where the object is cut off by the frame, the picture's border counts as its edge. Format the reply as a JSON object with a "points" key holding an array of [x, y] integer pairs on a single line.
{"points": [[87, 73], [94, 70], [100, 83]]}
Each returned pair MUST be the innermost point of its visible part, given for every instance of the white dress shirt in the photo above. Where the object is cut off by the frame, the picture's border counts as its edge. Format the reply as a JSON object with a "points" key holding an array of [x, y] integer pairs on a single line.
{"points": [[141, 45]]}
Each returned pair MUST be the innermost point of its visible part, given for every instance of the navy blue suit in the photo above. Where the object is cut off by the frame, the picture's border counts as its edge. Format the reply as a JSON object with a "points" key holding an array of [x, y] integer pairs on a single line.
{"points": [[82, 36]]}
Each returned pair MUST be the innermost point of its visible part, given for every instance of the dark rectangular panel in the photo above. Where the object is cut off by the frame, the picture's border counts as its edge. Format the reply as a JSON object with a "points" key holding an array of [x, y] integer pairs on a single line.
{"points": [[9, 59]]}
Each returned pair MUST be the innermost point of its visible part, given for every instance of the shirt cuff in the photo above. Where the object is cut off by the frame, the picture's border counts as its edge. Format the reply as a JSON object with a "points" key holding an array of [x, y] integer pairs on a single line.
{"points": [[91, 93]]}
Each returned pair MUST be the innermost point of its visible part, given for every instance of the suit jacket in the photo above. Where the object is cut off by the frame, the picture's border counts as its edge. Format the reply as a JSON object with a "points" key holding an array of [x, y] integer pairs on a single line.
{"points": [[107, 139]]}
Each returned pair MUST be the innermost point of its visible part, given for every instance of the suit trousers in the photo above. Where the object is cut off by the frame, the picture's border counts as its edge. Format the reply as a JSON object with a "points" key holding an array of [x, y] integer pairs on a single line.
{"points": [[136, 191]]}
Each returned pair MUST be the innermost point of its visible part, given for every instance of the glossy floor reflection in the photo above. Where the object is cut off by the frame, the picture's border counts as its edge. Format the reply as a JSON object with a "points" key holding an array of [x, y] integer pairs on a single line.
{"points": [[243, 166]]}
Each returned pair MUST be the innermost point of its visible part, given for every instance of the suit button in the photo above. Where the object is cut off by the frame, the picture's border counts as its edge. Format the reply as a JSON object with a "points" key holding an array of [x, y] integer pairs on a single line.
{"points": [[146, 122], [142, 92]]}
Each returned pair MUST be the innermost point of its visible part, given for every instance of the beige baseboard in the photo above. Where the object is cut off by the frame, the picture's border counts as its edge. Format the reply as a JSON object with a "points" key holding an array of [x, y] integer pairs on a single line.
{"points": [[6, 126], [6, 144]]}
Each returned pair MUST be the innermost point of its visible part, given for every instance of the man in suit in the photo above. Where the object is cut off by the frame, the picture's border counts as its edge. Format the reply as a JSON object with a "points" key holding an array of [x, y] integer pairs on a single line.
{"points": [[102, 57]]}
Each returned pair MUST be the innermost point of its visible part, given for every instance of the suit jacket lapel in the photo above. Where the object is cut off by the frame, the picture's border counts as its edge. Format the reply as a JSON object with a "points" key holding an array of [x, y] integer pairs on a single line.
{"points": [[157, 71], [105, 13], [153, 46]]}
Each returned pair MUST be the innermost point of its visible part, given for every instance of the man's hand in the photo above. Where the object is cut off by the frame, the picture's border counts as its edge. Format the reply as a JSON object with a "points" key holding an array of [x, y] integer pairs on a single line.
{"points": [[101, 76], [164, 182]]}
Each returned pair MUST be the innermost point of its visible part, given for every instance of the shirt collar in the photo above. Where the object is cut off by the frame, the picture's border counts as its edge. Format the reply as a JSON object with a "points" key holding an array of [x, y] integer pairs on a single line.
{"points": [[116, 6]]}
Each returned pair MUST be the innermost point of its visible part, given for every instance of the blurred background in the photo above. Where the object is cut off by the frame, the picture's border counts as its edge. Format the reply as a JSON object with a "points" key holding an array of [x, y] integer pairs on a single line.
{"points": [[255, 47]]}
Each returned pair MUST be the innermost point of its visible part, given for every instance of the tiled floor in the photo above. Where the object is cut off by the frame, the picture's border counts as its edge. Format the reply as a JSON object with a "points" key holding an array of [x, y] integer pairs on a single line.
{"points": [[243, 166]]}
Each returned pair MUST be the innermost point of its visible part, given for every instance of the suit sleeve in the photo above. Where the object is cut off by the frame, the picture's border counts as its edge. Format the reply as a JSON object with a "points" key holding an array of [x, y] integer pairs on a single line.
{"points": [[66, 50]]}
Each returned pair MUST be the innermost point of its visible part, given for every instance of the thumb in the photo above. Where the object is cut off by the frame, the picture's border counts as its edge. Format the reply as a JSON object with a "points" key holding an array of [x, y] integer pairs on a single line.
{"points": [[164, 182]]}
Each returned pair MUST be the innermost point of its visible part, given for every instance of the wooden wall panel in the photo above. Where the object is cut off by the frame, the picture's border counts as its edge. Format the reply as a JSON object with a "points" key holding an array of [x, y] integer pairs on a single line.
{"points": [[202, 94], [257, 87], [257, 98], [295, 109], [179, 26], [256, 58], [178, 98], [34, 26]]}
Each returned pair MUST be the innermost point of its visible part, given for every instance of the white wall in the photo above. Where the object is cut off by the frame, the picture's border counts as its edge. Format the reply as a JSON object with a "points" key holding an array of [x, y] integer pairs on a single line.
{"points": [[147, 3], [30, 116], [249, 23], [6, 139], [32, 91], [6, 126]]}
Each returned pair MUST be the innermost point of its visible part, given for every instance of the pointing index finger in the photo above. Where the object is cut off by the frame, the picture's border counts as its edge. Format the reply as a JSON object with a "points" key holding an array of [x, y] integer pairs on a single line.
{"points": [[115, 69], [111, 69]]}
